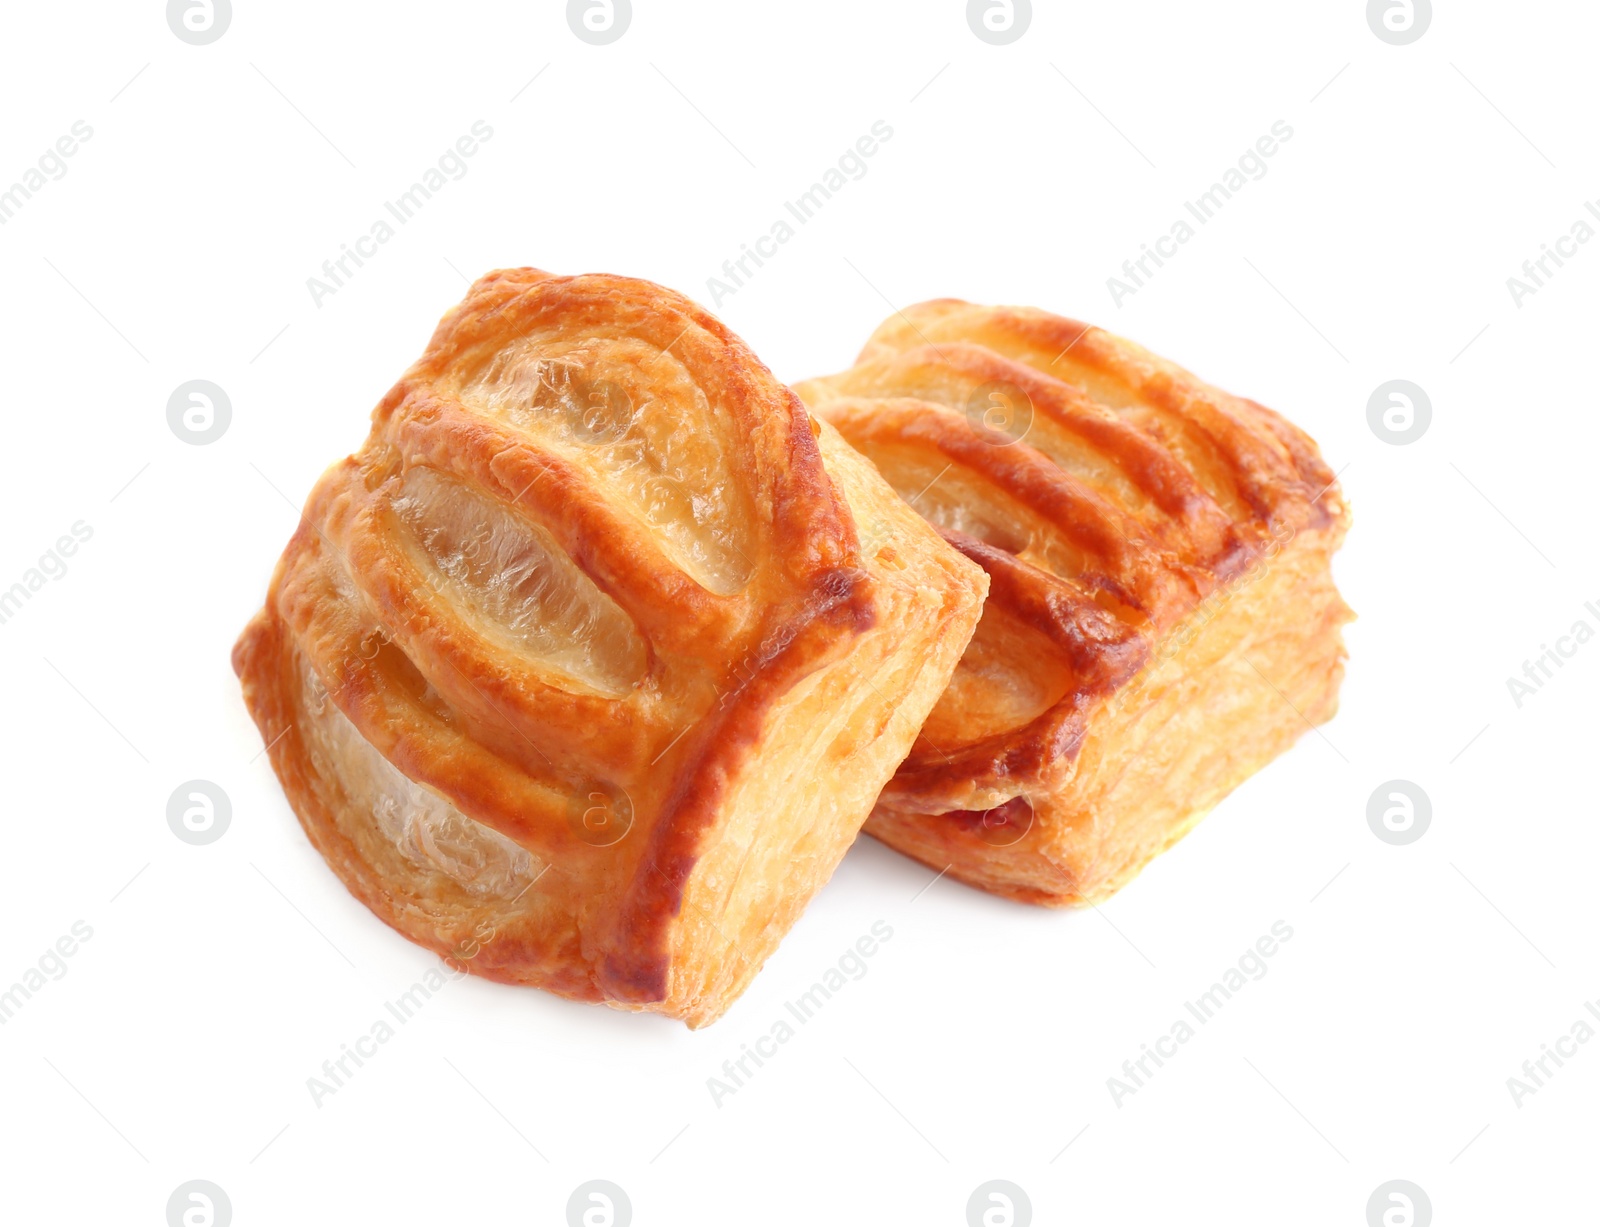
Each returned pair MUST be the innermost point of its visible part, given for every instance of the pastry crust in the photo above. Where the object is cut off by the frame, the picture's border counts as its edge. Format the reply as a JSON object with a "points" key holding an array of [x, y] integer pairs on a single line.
{"points": [[556, 667], [1161, 619]]}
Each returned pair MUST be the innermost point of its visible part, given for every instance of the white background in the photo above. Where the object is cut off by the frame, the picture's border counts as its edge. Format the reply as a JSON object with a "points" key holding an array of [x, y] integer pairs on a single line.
{"points": [[979, 1043]]}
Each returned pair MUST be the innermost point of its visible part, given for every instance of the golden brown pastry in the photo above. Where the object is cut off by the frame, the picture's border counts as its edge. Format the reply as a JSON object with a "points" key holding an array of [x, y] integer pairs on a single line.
{"points": [[1161, 620], [587, 668]]}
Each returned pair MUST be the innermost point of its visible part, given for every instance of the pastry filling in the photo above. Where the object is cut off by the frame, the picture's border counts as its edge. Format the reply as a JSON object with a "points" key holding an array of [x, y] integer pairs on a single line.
{"points": [[632, 418], [424, 828], [518, 581]]}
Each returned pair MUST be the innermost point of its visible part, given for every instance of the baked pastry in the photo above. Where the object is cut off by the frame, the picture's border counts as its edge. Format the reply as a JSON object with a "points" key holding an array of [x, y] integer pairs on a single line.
{"points": [[587, 668], [1161, 619]]}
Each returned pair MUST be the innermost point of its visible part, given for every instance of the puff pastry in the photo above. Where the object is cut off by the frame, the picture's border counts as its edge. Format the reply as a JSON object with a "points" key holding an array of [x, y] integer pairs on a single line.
{"points": [[587, 668], [1161, 620]]}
